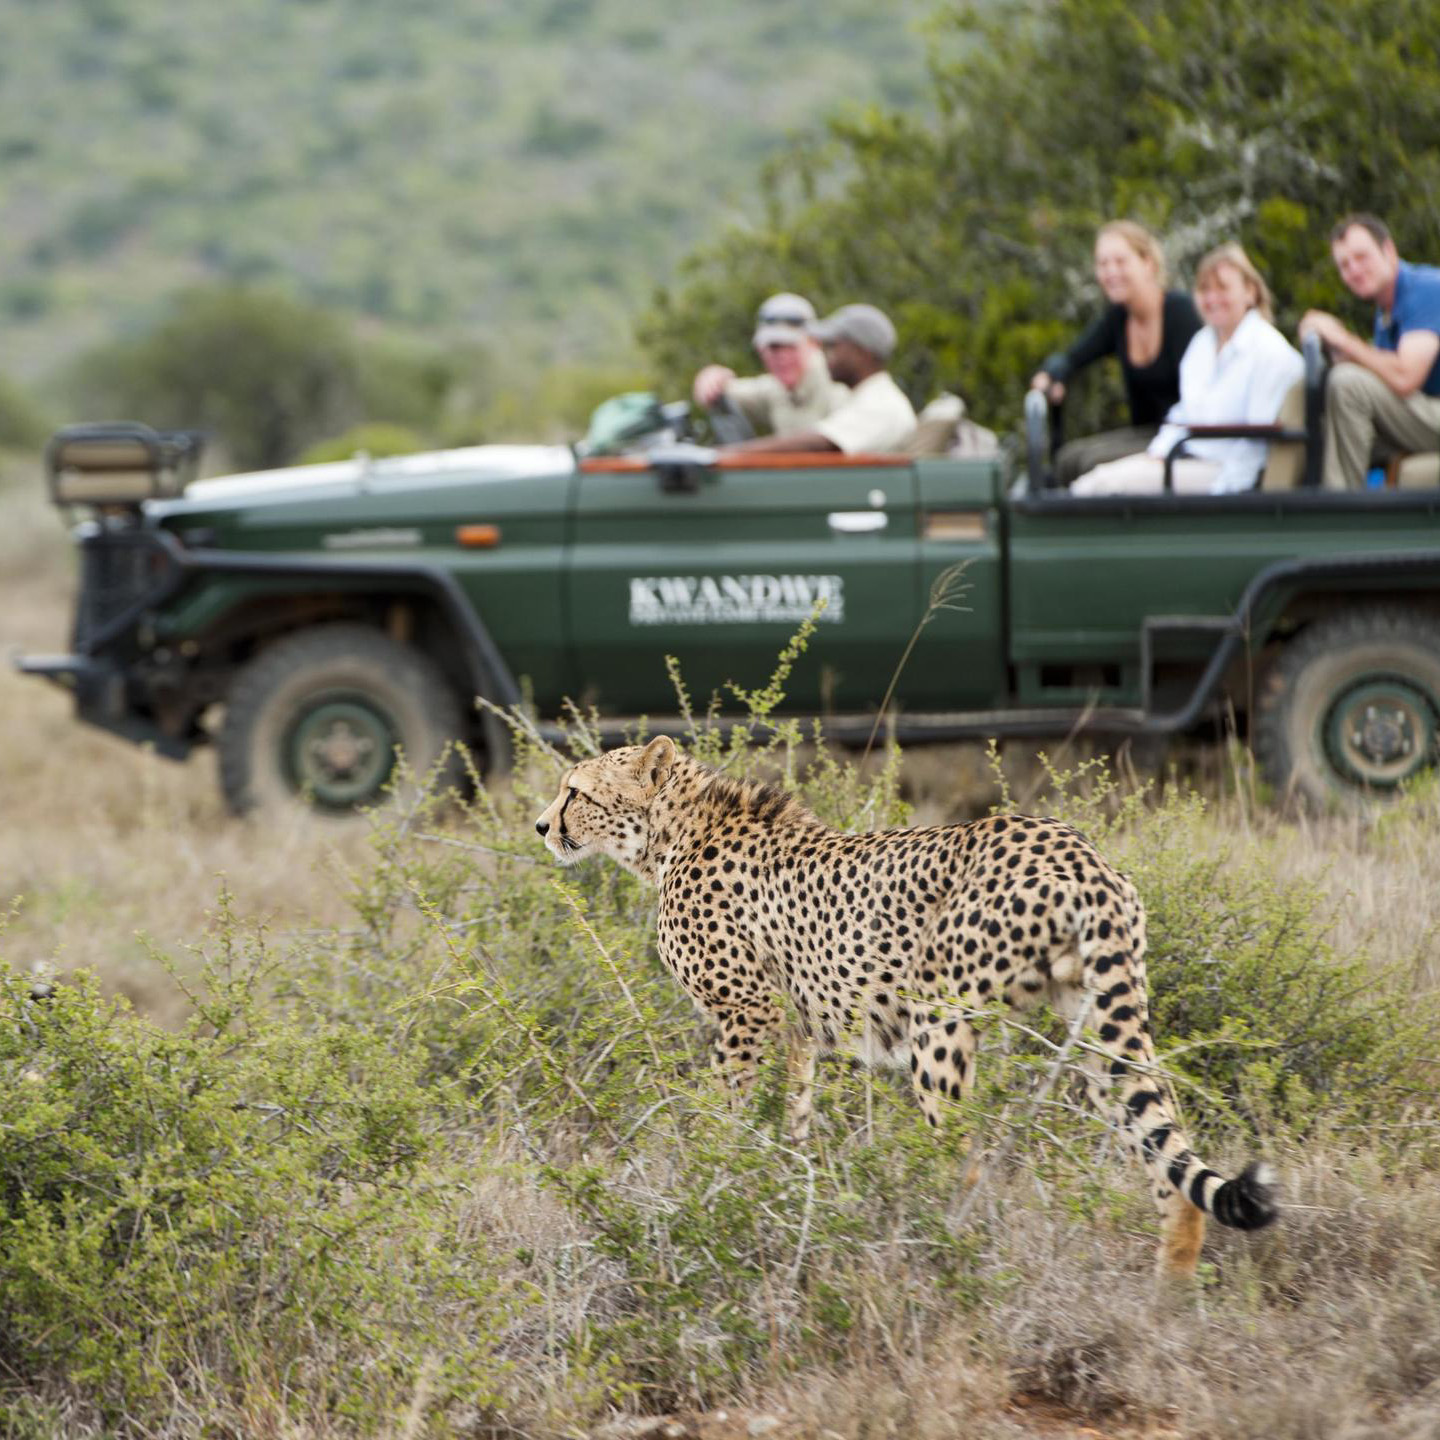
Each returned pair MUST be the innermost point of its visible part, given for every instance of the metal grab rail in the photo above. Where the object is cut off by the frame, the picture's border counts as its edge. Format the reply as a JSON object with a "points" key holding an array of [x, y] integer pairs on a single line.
{"points": [[119, 462], [1042, 422]]}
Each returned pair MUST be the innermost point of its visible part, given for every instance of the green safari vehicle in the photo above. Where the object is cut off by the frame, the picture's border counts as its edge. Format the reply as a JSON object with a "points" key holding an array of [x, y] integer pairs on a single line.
{"points": [[330, 613]]}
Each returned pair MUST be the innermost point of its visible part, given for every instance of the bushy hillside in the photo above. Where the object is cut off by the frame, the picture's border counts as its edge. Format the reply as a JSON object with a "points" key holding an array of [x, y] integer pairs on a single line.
{"points": [[521, 175]]}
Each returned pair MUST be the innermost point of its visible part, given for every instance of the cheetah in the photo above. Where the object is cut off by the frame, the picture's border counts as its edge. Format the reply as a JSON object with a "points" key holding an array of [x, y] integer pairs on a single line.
{"points": [[884, 944]]}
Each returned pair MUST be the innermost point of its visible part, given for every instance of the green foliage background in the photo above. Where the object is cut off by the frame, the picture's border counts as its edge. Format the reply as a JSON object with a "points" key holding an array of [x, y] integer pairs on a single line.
{"points": [[268, 375], [972, 224]]}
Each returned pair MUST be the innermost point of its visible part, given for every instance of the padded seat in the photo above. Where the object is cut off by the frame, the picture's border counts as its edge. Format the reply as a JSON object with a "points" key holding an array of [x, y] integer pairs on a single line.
{"points": [[1417, 472], [935, 427], [943, 428], [1285, 465]]}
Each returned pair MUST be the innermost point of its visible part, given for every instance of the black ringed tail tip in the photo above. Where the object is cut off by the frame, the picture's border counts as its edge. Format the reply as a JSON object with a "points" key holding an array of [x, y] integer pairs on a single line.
{"points": [[1248, 1201]]}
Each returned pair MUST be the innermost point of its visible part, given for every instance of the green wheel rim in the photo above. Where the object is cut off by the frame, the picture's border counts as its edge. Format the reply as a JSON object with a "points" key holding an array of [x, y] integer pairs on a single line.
{"points": [[1381, 731], [341, 749]]}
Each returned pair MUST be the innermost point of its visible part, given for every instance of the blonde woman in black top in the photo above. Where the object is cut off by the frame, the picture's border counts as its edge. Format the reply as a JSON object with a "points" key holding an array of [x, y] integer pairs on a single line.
{"points": [[1145, 326]]}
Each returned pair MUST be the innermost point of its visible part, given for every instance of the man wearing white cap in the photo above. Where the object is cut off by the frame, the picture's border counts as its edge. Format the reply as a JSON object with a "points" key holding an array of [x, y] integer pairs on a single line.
{"points": [[797, 392], [877, 418]]}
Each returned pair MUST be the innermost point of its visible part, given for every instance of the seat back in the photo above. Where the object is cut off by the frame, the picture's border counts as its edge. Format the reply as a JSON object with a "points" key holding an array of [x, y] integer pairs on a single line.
{"points": [[1418, 472], [936, 427], [1285, 465], [120, 462]]}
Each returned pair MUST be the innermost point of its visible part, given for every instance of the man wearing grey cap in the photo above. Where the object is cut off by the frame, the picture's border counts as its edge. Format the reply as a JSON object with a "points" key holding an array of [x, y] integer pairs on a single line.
{"points": [[797, 392], [877, 418]]}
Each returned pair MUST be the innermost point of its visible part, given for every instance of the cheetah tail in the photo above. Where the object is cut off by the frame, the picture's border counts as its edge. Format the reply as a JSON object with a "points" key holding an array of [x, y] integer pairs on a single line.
{"points": [[1245, 1203]]}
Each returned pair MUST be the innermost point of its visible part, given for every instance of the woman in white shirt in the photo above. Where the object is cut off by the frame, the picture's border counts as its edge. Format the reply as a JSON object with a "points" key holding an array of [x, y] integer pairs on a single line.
{"points": [[1236, 371]]}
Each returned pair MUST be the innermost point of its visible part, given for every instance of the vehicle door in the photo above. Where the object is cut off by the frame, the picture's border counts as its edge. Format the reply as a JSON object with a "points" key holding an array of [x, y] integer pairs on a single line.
{"points": [[720, 566], [1118, 600]]}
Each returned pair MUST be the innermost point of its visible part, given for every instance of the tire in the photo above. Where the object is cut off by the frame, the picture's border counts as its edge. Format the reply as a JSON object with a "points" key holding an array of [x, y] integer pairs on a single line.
{"points": [[1351, 709], [318, 717]]}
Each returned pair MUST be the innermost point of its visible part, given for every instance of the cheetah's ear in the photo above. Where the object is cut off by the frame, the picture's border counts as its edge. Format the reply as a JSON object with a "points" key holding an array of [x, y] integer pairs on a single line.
{"points": [[653, 767]]}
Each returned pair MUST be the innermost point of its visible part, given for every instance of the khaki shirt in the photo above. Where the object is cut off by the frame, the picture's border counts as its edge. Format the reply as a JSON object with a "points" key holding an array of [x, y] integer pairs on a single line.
{"points": [[877, 419], [773, 409]]}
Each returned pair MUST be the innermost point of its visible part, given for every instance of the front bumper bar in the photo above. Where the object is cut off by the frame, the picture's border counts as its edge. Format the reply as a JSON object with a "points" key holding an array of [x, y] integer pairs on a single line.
{"points": [[101, 699]]}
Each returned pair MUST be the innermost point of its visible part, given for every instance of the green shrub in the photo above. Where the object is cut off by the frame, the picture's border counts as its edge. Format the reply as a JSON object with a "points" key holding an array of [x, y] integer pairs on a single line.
{"points": [[272, 377], [23, 424], [1255, 1005], [267, 374], [376, 439], [413, 385], [27, 298], [734, 1256], [1252, 1004], [557, 136], [226, 1200]]}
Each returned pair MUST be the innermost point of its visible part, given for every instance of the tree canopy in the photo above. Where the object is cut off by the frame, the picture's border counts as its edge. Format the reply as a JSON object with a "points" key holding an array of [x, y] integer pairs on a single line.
{"points": [[973, 224], [264, 374]]}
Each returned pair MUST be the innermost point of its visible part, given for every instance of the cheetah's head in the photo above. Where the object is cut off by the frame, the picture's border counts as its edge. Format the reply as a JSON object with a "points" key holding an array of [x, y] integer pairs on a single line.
{"points": [[603, 807]]}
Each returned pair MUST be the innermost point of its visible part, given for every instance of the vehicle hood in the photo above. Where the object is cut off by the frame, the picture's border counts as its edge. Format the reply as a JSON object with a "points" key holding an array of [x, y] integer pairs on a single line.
{"points": [[361, 475]]}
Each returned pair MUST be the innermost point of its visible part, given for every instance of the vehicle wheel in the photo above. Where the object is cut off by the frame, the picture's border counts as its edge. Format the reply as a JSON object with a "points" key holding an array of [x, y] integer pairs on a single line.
{"points": [[1351, 708], [320, 714]]}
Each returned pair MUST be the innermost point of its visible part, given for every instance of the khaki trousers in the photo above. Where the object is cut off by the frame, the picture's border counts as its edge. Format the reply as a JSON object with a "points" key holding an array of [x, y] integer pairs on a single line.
{"points": [[1077, 457], [1145, 475], [1365, 419]]}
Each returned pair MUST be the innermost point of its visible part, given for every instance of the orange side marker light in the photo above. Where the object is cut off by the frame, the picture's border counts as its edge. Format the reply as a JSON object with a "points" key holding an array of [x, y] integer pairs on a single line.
{"points": [[477, 537]]}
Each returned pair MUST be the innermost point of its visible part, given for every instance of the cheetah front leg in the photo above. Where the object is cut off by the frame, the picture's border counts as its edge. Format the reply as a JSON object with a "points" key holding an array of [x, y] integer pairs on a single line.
{"points": [[800, 1109], [942, 1056], [741, 1033]]}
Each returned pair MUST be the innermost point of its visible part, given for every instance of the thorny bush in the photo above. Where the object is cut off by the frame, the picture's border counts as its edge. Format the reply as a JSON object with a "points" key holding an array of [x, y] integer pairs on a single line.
{"points": [[462, 1159]]}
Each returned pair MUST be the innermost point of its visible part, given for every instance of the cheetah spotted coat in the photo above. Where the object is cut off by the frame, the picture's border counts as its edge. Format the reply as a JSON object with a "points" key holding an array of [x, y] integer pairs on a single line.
{"points": [[885, 943]]}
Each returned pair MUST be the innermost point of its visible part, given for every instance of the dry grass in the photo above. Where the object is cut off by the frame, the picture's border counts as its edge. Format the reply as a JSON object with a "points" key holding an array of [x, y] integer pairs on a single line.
{"points": [[1328, 1327], [107, 847]]}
